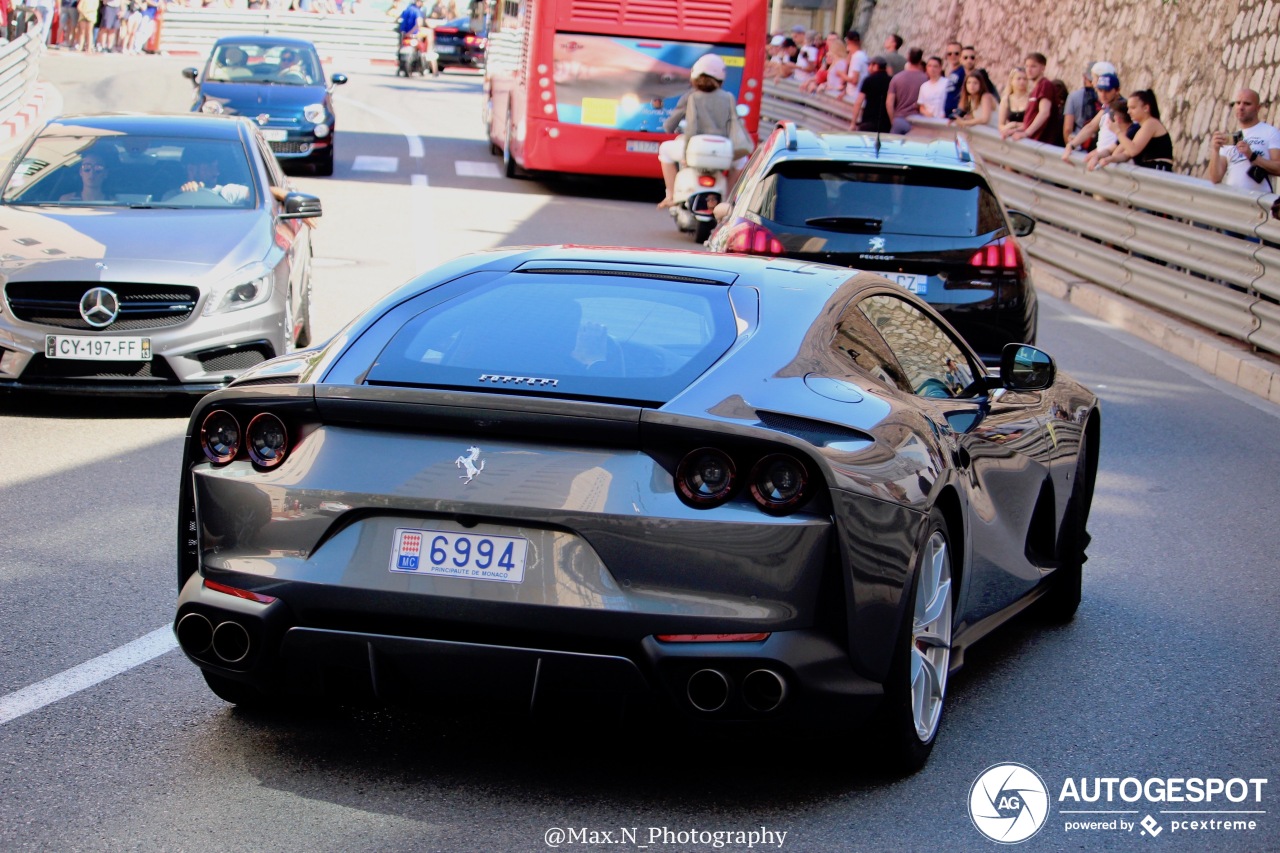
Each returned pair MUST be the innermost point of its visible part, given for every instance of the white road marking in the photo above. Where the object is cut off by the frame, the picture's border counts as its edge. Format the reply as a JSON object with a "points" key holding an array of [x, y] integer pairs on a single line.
{"points": [[476, 169], [369, 163], [414, 140], [87, 674]]}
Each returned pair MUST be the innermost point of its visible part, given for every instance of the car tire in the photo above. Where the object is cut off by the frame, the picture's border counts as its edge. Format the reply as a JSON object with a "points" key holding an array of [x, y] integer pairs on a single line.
{"points": [[304, 320], [910, 717], [702, 231], [241, 695], [1062, 597], [324, 166]]}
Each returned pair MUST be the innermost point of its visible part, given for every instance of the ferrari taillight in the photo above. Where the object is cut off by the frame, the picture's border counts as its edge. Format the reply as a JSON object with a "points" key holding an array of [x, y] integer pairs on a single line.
{"points": [[779, 483], [220, 437], [705, 478], [748, 238], [267, 440]]}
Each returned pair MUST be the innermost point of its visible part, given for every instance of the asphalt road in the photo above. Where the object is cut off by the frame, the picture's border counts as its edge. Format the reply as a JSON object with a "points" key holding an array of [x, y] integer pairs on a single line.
{"points": [[1158, 677]]}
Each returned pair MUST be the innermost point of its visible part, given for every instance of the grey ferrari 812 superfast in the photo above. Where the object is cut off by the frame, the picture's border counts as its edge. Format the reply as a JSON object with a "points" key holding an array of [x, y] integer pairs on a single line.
{"points": [[737, 488]]}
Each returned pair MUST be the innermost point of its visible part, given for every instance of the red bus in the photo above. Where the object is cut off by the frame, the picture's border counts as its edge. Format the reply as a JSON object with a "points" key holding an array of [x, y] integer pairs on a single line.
{"points": [[584, 86]]}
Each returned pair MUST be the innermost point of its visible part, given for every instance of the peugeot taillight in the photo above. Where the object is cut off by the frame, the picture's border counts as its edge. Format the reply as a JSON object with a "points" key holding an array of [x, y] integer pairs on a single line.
{"points": [[1003, 254], [748, 238]]}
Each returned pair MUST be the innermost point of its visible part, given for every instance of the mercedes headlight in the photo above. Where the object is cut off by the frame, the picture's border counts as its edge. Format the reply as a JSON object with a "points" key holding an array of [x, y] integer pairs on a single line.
{"points": [[314, 113], [232, 297], [212, 107]]}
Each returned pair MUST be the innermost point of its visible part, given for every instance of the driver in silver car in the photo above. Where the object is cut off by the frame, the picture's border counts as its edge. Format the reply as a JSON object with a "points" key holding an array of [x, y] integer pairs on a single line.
{"points": [[204, 172]]}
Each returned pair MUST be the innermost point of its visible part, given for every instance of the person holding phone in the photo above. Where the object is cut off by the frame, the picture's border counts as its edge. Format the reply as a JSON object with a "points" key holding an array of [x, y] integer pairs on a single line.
{"points": [[1248, 158]]}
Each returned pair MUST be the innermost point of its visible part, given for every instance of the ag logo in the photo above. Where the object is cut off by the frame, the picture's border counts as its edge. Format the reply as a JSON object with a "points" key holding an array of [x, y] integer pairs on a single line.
{"points": [[1008, 803]]}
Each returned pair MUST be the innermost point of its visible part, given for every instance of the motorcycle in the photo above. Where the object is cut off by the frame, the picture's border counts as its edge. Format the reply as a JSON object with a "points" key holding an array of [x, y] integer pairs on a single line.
{"points": [[410, 59], [701, 184]]}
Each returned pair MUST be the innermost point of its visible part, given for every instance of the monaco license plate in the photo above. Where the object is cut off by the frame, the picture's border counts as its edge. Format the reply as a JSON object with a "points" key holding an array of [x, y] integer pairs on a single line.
{"points": [[275, 134], [914, 283], [97, 349], [640, 146], [446, 49], [458, 555]]}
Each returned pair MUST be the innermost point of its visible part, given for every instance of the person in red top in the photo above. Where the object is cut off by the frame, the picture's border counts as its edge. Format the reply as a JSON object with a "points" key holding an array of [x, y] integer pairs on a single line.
{"points": [[1043, 120]]}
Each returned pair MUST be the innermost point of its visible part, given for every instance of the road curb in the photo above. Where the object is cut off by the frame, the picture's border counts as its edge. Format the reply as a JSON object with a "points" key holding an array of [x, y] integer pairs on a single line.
{"points": [[29, 116], [1228, 360]]}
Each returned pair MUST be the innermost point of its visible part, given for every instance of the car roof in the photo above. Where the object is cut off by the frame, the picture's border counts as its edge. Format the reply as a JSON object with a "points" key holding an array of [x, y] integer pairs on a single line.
{"points": [[266, 41], [192, 125], [859, 147]]}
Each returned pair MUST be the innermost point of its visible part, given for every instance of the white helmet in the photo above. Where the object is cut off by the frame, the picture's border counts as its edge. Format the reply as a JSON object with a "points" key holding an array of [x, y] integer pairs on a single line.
{"points": [[710, 65]]}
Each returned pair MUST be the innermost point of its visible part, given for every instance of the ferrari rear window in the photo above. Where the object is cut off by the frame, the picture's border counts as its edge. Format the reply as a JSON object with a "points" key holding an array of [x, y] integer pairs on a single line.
{"points": [[879, 199], [603, 337]]}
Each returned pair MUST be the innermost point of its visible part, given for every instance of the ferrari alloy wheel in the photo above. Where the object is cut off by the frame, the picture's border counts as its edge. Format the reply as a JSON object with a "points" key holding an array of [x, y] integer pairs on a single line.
{"points": [[931, 637], [908, 721]]}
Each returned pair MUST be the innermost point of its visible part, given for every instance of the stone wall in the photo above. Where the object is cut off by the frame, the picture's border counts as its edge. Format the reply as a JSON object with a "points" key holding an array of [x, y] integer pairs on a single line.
{"points": [[1192, 54]]}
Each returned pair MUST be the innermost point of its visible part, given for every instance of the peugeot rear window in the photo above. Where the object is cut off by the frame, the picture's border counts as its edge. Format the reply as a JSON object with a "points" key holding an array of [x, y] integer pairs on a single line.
{"points": [[864, 199], [599, 337]]}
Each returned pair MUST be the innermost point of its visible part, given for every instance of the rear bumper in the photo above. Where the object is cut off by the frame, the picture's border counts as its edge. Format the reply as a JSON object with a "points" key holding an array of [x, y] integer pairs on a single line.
{"points": [[792, 673]]}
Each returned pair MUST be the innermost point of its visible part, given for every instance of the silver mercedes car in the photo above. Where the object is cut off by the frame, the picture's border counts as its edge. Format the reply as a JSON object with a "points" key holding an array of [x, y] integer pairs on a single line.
{"points": [[149, 254]]}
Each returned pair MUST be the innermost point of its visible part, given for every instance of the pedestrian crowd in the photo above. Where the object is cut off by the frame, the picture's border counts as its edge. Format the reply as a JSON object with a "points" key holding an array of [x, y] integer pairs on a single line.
{"points": [[888, 88]]}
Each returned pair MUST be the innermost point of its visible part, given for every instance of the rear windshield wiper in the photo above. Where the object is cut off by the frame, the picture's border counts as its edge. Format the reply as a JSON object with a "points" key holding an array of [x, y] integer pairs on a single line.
{"points": [[847, 224]]}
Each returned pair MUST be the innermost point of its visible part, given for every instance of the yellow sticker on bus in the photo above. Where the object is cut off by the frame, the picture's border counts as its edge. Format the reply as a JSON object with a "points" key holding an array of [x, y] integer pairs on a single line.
{"points": [[600, 111]]}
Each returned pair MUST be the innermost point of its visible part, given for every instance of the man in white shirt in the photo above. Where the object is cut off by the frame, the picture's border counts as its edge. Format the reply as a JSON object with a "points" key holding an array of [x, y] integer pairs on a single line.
{"points": [[858, 61], [1247, 159], [807, 58]]}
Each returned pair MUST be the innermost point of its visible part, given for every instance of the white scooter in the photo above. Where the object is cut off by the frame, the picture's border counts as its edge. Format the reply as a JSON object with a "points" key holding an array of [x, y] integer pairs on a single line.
{"points": [[701, 184]]}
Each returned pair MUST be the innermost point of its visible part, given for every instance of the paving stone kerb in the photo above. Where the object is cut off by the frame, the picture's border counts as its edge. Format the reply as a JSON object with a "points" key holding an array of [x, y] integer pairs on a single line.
{"points": [[1193, 53]]}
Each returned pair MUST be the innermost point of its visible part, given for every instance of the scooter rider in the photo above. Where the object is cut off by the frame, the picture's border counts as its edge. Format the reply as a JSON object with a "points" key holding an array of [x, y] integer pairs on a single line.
{"points": [[714, 113], [408, 25]]}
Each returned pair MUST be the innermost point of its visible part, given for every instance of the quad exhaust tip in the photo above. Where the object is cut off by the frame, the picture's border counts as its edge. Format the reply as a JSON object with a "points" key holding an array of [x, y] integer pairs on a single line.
{"points": [[231, 642], [763, 690], [195, 633], [708, 690]]}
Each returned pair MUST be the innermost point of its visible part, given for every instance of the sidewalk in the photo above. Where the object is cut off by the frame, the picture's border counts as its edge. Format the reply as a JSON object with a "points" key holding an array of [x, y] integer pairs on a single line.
{"points": [[1228, 360]]}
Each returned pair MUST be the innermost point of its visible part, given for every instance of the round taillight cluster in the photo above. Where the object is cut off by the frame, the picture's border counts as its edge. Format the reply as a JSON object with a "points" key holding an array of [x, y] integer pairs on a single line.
{"points": [[266, 441], [707, 477]]}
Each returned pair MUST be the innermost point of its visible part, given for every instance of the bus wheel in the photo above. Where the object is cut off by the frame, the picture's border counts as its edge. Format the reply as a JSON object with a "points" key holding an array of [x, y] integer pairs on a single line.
{"points": [[509, 165]]}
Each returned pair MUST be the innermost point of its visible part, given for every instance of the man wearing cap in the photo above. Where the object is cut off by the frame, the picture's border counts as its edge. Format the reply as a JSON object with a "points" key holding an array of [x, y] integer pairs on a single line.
{"points": [[870, 112], [1107, 86], [783, 63]]}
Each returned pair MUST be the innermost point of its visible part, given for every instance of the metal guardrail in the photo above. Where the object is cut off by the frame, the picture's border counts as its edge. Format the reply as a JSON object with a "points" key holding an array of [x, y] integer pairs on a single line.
{"points": [[18, 72], [1204, 253], [344, 37]]}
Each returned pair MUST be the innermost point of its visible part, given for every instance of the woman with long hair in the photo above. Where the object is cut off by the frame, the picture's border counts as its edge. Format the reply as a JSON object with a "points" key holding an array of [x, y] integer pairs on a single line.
{"points": [[977, 104], [1151, 146], [1013, 106]]}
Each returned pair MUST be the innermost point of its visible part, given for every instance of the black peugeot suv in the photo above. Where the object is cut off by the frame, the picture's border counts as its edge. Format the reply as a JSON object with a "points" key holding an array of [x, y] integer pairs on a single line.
{"points": [[922, 214]]}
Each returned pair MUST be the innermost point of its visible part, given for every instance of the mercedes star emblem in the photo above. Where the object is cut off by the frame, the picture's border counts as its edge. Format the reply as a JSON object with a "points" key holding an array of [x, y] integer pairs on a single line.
{"points": [[99, 307]]}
